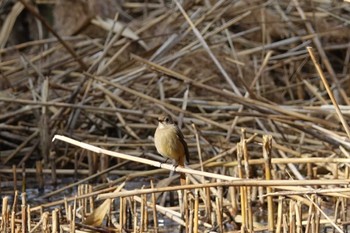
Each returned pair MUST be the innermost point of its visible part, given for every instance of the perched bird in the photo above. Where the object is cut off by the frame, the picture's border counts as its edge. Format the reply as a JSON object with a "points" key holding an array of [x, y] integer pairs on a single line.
{"points": [[170, 142]]}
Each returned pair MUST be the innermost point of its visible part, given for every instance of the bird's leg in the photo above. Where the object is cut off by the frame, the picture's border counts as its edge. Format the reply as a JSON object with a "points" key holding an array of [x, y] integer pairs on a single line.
{"points": [[166, 160], [175, 164]]}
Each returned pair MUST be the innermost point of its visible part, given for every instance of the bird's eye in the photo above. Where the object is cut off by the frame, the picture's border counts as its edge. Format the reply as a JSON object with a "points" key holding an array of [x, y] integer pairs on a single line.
{"points": [[166, 120]]}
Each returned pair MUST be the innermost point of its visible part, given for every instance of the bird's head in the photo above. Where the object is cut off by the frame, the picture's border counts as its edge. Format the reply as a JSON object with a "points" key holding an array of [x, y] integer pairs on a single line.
{"points": [[165, 119]]}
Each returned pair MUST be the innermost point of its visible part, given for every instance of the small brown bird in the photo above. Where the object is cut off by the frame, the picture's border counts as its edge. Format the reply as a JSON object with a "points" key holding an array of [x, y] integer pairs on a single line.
{"points": [[170, 142]]}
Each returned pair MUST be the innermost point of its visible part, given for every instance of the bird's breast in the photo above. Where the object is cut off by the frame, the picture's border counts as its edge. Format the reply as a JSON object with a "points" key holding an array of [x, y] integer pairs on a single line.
{"points": [[168, 143]]}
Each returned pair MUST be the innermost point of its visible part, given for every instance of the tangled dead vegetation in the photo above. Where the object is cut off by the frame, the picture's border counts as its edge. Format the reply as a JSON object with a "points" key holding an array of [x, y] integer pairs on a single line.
{"points": [[259, 88]]}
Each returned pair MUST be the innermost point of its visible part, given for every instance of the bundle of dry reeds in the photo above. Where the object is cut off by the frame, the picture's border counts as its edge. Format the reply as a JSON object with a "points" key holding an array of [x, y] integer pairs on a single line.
{"points": [[259, 89]]}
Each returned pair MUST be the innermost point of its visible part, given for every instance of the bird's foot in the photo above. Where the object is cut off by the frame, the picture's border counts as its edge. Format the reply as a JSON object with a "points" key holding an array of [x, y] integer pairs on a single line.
{"points": [[166, 160], [160, 163], [175, 166]]}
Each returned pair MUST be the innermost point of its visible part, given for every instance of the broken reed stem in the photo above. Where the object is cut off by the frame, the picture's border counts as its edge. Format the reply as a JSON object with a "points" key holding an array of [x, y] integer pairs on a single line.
{"points": [[24, 212], [122, 213], [73, 216], [191, 217], [135, 219], [291, 216], [29, 219], [144, 214], [220, 205], [55, 221], [154, 210], [247, 176], [185, 207], [178, 169], [196, 210], [307, 160], [242, 188], [24, 218], [238, 183], [267, 146], [45, 222], [218, 210], [329, 91], [279, 214], [310, 220], [12, 223]]}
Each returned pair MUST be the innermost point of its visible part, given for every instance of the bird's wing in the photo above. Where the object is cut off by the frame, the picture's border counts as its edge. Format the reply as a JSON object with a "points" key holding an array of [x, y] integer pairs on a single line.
{"points": [[183, 142]]}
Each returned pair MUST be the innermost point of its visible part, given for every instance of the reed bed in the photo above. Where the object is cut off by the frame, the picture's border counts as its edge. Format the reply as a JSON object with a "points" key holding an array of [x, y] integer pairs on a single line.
{"points": [[259, 89]]}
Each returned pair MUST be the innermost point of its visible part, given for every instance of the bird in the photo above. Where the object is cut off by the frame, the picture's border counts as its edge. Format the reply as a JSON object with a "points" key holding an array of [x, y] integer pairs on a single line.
{"points": [[170, 142]]}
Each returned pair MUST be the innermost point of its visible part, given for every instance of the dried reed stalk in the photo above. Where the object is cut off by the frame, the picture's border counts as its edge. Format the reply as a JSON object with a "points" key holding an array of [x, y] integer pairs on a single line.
{"points": [[217, 66]]}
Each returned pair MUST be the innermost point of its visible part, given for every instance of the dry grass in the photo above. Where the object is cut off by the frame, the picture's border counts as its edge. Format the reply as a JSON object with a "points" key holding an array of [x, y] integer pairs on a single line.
{"points": [[265, 117]]}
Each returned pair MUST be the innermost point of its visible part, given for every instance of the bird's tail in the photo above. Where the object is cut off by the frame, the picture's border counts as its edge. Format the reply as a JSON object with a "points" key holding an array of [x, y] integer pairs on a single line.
{"points": [[181, 163], [183, 179]]}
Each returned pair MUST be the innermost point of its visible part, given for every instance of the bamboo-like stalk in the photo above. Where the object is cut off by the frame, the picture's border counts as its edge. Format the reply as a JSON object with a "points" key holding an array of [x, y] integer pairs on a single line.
{"points": [[12, 222], [135, 217], [298, 217], [91, 200], [28, 223], [184, 209], [195, 211], [279, 215], [69, 214], [143, 210], [189, 227], [267, 145], [24, 212], [55, 221], [73, 215], [317, 216], [218, 210], [242, 192], [208, 206], [14, 204], [292, 219], [24, 218], [154, 210], [122, 213], [247, 176], [310, 222]]}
